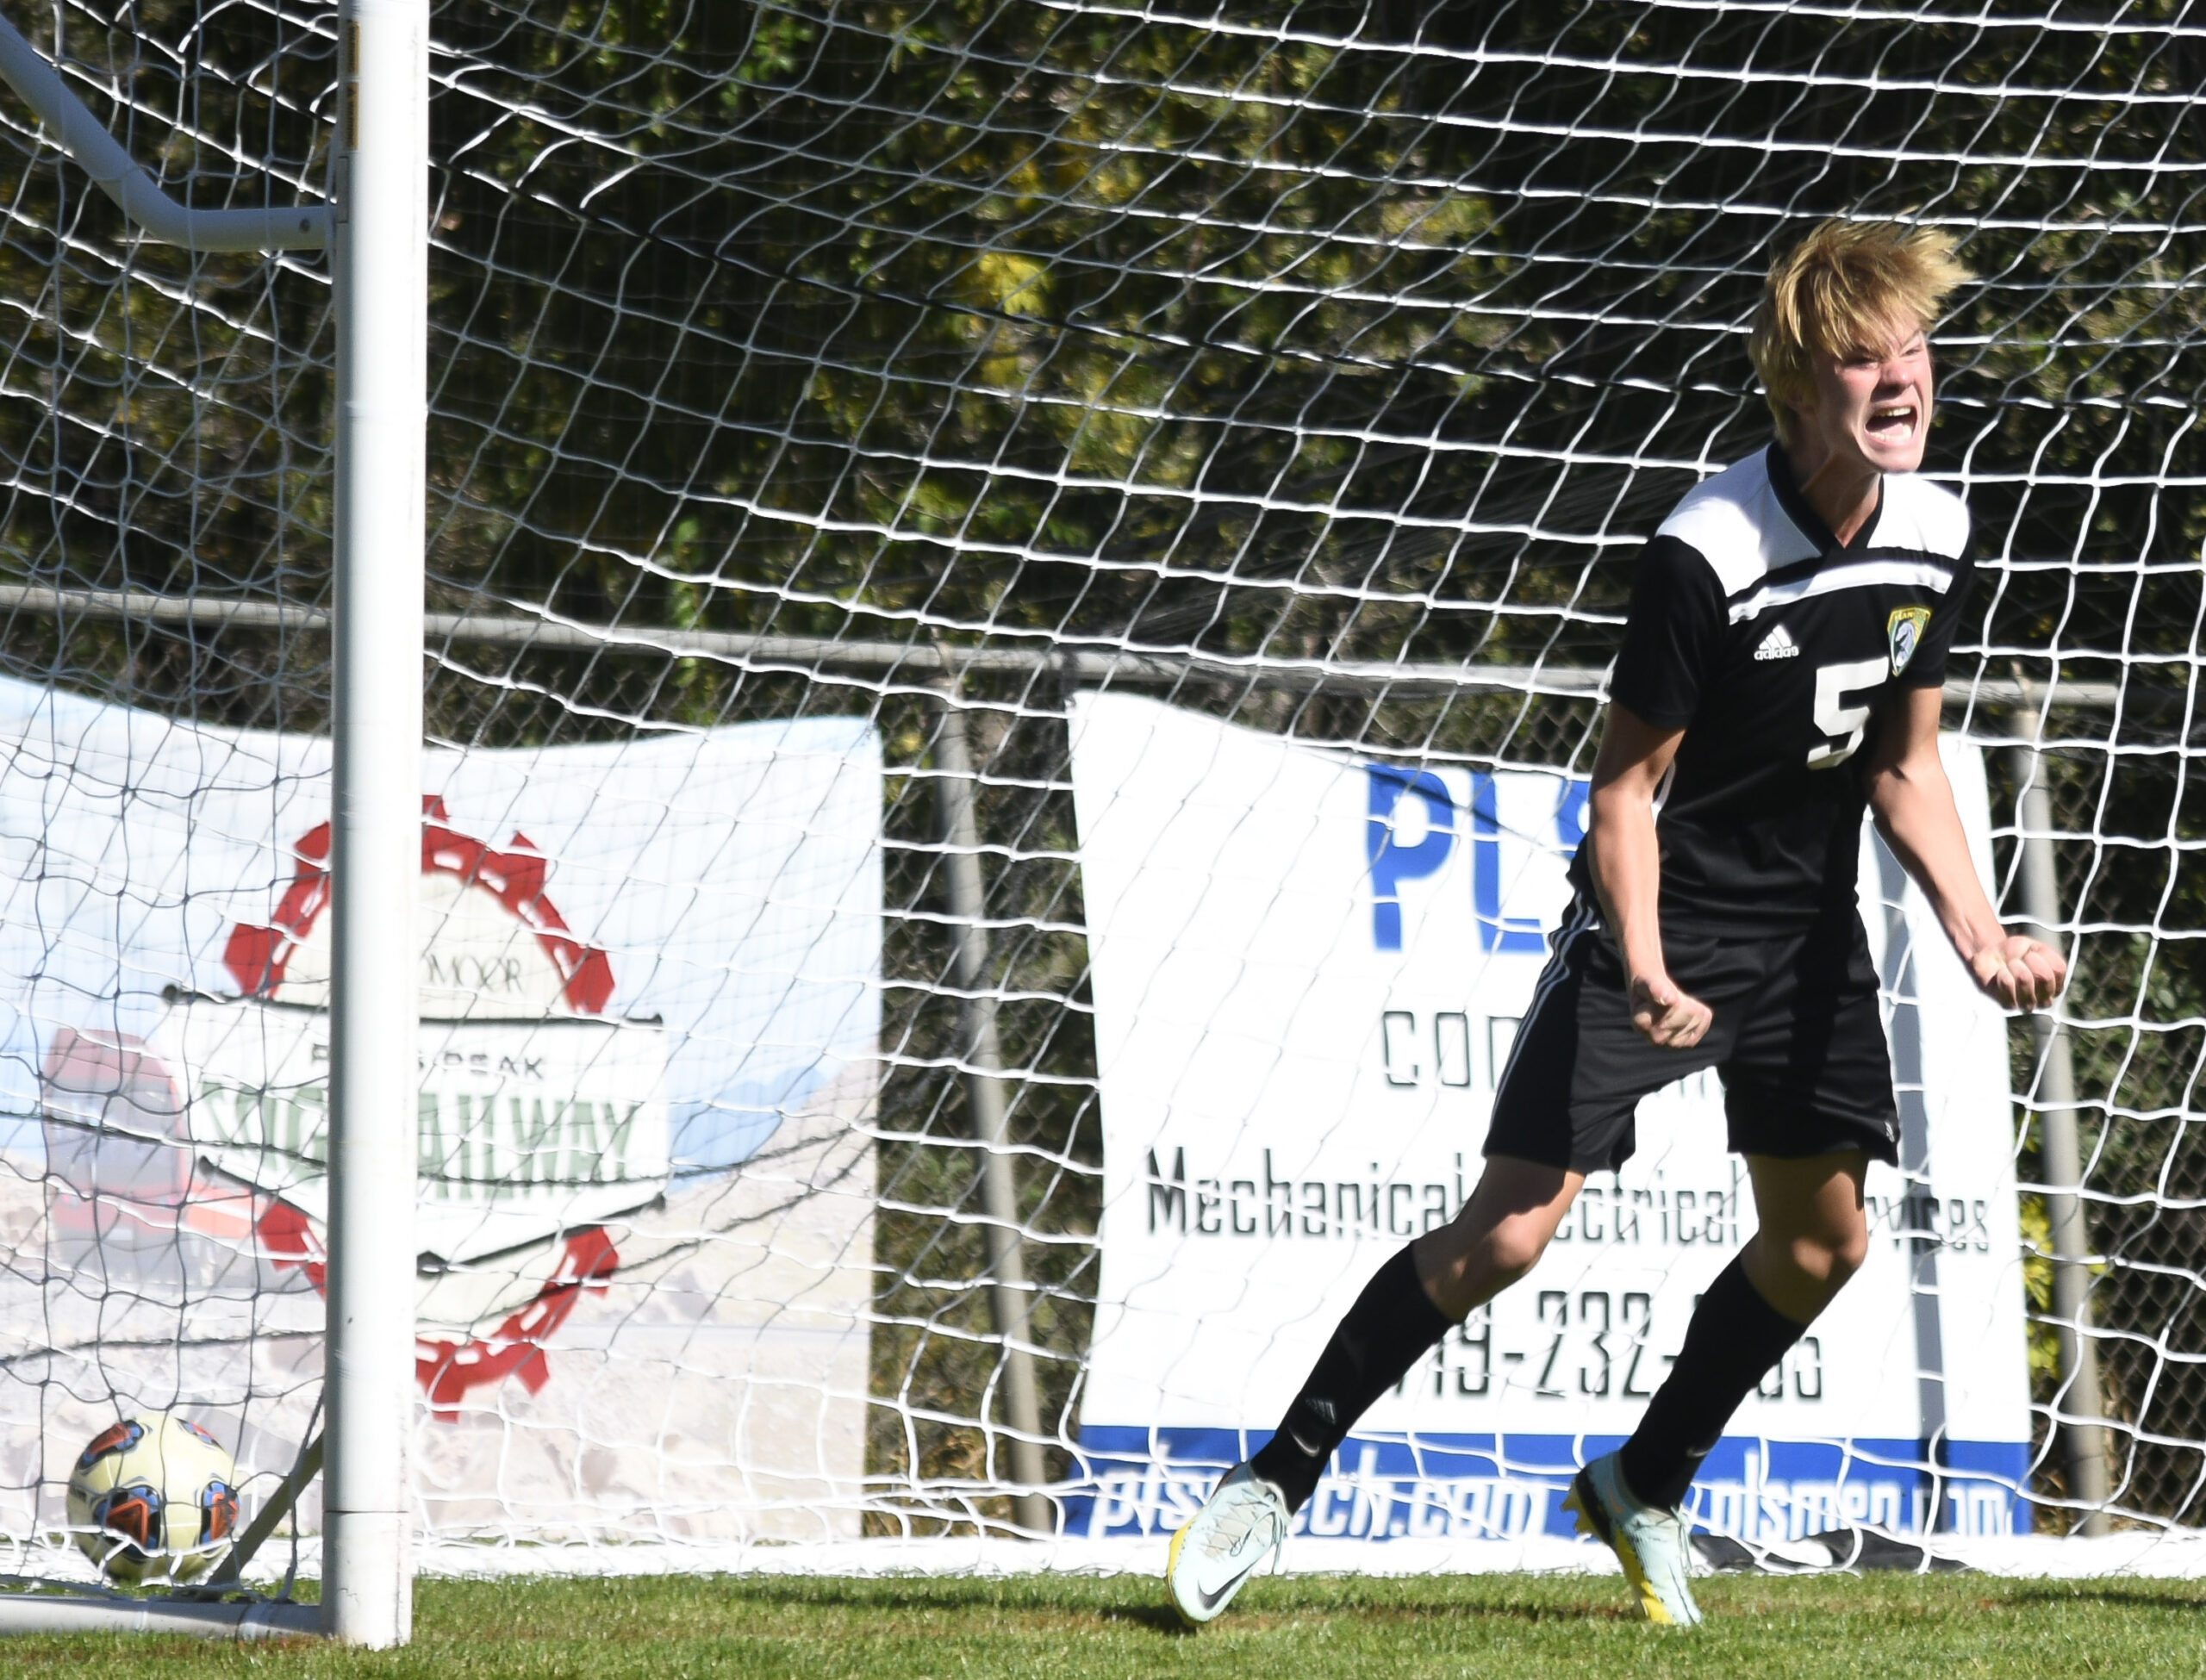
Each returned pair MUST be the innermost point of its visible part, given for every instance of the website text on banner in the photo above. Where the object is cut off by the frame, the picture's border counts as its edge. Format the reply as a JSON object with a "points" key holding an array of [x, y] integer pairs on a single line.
{"points": [[648, 1043], [1308, 972]]}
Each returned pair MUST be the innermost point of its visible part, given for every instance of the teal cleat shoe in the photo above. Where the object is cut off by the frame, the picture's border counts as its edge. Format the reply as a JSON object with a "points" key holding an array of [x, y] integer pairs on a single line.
{"points": [[1654, 1544], [1240, 1525]]}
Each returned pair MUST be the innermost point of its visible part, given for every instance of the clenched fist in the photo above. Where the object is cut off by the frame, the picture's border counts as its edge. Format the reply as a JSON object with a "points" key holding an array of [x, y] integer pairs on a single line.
{"points": [[1674, 1019], [2019, 972]]}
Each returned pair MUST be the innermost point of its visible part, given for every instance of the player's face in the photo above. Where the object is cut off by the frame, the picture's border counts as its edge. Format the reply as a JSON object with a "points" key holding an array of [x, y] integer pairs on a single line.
{"points": [[1873, 407]]}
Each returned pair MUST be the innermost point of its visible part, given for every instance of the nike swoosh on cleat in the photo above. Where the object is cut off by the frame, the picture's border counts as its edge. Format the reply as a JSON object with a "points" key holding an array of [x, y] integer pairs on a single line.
{"points": [[1206, 1603], [1211, 1601]]}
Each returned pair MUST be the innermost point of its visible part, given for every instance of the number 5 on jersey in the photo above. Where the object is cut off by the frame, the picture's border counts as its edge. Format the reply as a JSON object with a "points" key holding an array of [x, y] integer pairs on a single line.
{"points": [[1834, 717]]}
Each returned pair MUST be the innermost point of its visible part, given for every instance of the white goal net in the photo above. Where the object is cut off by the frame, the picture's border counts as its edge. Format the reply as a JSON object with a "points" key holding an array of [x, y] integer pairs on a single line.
{"points": [[945, 517]]}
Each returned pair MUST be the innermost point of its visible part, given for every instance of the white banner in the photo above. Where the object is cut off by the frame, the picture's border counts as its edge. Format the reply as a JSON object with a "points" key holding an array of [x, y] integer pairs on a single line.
{"points": [[651, 1007], [1307, 971]]}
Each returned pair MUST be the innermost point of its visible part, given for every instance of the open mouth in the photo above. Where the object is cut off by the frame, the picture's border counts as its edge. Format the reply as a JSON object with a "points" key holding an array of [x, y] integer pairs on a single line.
{"points": [[1893, 422]]}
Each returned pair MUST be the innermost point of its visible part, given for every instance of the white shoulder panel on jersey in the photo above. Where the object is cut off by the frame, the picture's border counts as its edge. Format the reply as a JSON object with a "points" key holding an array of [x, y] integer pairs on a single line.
{"points": [[1736, 523], [1919, 515], [1935, 575]]}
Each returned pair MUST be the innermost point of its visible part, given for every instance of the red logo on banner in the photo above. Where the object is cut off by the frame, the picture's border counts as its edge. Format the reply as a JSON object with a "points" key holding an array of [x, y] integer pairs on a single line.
{"points": [[449, 1371], [256, 956]]}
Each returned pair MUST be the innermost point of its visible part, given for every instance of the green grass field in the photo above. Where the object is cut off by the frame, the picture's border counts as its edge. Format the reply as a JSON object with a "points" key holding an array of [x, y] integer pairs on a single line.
{"points": [[1307, 1628]]}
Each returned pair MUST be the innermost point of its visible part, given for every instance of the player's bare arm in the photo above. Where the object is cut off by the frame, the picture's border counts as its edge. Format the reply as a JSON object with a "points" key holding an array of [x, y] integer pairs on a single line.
{"points": [[1913, 805], [1627, 868]]}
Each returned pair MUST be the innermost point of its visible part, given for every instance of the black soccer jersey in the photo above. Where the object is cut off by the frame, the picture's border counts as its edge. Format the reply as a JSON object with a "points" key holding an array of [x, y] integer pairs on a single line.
{"points": [[1775, 647]]}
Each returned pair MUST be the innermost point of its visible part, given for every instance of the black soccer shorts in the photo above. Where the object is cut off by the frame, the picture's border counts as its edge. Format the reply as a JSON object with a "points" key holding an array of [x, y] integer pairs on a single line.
{"points": [[1797, 1039]]}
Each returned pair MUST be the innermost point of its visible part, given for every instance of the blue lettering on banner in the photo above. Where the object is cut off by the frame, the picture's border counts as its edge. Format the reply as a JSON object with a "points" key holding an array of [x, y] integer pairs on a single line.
{"points": [[1570, 813], [1392, 863], [1497, 932], [1132, 1481]]}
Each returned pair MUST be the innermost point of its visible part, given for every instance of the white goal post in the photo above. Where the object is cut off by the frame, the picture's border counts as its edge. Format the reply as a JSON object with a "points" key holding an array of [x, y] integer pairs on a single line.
{"points": [[380, 161], [378, 216]]}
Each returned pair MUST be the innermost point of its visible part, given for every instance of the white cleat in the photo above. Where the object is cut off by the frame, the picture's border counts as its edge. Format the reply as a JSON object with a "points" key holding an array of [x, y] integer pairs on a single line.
{"points": [[1240, 1525], [1653, 1544]]}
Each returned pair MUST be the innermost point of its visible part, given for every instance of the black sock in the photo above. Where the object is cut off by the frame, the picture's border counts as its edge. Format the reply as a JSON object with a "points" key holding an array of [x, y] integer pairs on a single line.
{"points": [[1387, 1330], [1733, 1340]]}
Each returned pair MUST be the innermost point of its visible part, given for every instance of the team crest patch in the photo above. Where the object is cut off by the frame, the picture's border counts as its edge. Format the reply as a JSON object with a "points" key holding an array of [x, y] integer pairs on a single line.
{"points": [[1904, 631]]}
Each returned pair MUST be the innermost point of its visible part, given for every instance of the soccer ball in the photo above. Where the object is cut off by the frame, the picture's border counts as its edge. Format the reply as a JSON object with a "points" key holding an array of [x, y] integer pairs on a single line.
{"points": [[153, 1498]]}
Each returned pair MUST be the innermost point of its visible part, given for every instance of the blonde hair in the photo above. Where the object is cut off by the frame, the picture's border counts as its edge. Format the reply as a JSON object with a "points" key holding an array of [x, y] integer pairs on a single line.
{"points": [[1839, 292]]}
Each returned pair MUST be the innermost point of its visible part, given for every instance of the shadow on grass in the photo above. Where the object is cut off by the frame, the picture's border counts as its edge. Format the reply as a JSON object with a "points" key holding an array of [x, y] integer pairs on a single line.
{"points": [[1157, 1618], [1012, 1593], [1136, 1601], [2165, 1596], [1390, 1602]]}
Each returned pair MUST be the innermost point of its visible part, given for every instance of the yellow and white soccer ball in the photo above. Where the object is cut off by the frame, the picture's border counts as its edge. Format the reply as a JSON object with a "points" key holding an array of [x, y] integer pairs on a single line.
{"points": [[153, 1499]]}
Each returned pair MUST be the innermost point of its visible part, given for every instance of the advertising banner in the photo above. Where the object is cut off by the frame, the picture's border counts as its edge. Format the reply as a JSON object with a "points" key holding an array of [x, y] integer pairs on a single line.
{"points": [[650, 1005], [1308, 973]]}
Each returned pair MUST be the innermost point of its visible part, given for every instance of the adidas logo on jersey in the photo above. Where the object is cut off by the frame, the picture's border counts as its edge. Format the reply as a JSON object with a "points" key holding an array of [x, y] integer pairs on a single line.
{"points": [[1777, 644]]}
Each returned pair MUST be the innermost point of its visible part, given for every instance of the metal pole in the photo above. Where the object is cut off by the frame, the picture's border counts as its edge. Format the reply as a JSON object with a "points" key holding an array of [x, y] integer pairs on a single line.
{"points": [[1908, 1084], [73, 1614], [806, 656], [38, 85], [381, 167], [1008, 1296], [2078, 1403]]}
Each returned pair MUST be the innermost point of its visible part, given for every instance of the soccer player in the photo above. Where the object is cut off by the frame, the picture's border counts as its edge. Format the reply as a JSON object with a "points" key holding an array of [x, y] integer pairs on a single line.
{"points": [[1781, 666]]}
